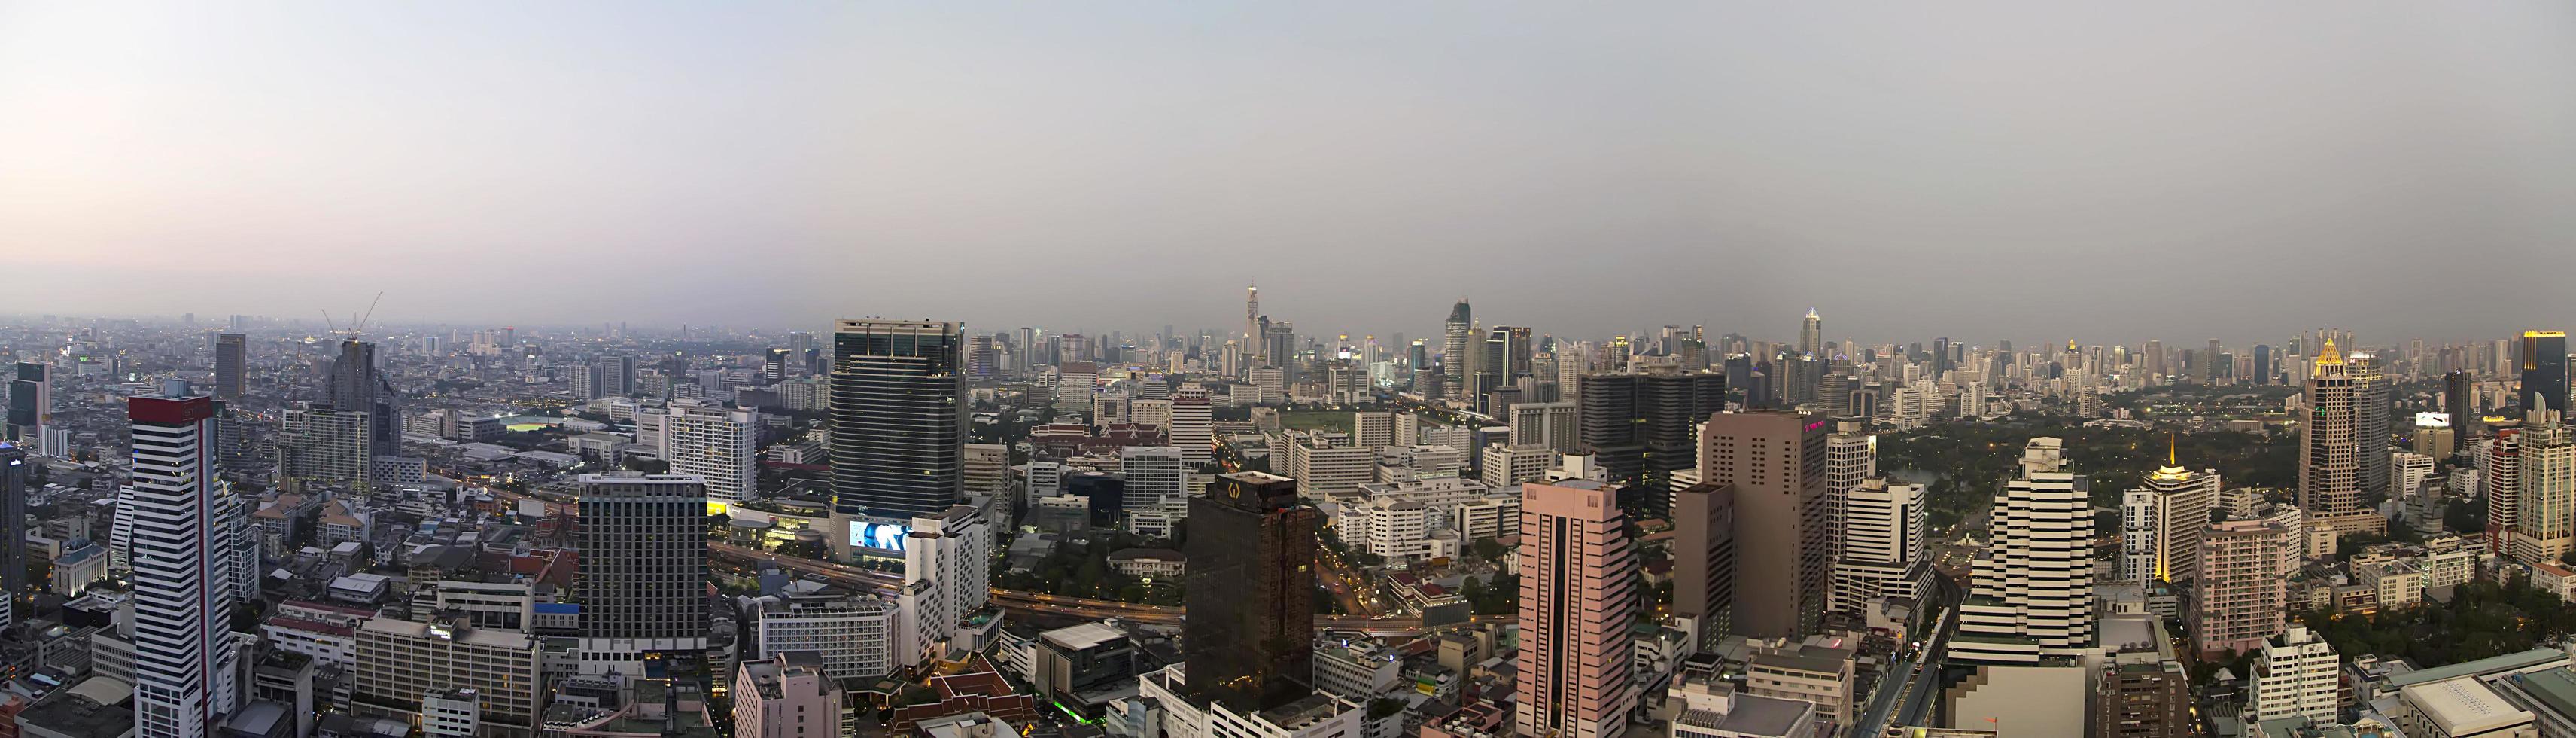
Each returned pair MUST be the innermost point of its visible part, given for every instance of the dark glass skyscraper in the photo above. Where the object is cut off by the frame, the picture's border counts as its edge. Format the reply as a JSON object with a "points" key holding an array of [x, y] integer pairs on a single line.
{"points": [[899, 418], [1251, 547], [356, 385], [231, 352], [2459, 392], [13, 524], [2544, 369], [2262, 363], [1639, 425]]}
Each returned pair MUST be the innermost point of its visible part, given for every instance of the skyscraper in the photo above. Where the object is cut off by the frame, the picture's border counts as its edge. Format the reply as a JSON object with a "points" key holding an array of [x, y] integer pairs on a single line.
{"points": [[1578, 594], [31, 408], [2330, 463], [2373, 416], [1639, 424], [232, 351], [1811, 334], [717, 444], [2499, 465], [13, 524], [1252, 586], [2544, 526], [643, 575], [899, 417], [1454, 342], [1882, 547], [2030, 595], [2459, 392], [2263, 369], [1252, 321], [2544, 368], [1704, 558], [2240, 591], [185, 660], [358, 386], [2161, 522], [1784, 534]]}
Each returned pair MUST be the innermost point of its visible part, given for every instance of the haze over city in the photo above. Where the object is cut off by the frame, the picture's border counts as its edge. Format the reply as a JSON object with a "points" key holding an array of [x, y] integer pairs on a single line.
{"points": [[1983, 170]]}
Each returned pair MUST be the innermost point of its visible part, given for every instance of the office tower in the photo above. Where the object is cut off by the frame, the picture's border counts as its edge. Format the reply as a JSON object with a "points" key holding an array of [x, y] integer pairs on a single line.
{"points": [[1252, 321], [1193, 425], [2373, 423], [2459, 393], [1454, 342], [185, 656], [1578, 594], [1251, 581], [1639, 425], [1704, 559], [643, 574], [2161, 521], [720, 445], [13, 524], [321, 443], [31, 408], [1784, 527], [2544, 368], [232, 350], [1550, 425], [1516, 350], [2030, 596], [2433, 439], [1882, 547], [2330, 463], [2499, 465], [2263, 369], [899, 416], [1811, 334], [1157, 476], [2207, 369], [358, 386], [947, 576], [1851, 455], [1279, 348], [987, 471], [2241, 590], [2545, 519], [2295, 676]]}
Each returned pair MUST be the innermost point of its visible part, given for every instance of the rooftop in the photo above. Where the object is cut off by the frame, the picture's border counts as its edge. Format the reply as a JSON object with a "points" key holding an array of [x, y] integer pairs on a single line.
{"points": [[2508, 662], [1084, 636]]}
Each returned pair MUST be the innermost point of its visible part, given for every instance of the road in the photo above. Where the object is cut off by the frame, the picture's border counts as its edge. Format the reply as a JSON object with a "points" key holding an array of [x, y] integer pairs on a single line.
{"points": [[1011, 600], [1905, 693]]}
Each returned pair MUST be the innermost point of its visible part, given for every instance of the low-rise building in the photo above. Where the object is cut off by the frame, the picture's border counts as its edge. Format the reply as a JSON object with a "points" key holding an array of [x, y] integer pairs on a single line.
{"points": [[789, 695]]}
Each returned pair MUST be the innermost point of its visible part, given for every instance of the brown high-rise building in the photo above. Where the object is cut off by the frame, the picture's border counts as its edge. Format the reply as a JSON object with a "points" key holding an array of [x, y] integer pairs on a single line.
{"points": [[1252, 592], [1784, 526], [1578, 597], [1704, 557], [2331, 448]]}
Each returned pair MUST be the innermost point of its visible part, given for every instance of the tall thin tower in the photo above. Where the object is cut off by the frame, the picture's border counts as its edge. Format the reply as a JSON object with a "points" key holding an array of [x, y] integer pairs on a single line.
{"points": [[184, 655], [1811, 334], [1578, 594], [1252, 316]]}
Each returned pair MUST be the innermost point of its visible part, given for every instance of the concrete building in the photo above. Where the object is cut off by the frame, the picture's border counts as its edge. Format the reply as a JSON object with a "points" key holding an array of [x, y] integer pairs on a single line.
{"points": [[1704, 559], [947, 578], [1784, 519], [187, 663], [2295, 676], [1882, 549], [2334, 448], [1577, 598], [899, 418], [2545, 518], [2460, 708], [2241, 592], [2161, 522], [1817, 671], [1504, 466], [643, 574], [788, 695], [850, 636], [400, 660], [717, 444], [2030, 596], [1549, 425]]}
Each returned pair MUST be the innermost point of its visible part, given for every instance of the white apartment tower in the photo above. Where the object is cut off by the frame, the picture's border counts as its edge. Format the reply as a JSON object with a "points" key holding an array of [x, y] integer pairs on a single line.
{"points": [[1882, 548], [718, 444], [2031, 595], [1851, 455], [2294, 676], [2161, 523], [947, 574], [185, 657]]}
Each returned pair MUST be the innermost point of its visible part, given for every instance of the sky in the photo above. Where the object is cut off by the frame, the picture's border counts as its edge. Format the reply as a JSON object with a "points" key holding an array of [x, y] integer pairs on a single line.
{"points": [[1978, 170]]}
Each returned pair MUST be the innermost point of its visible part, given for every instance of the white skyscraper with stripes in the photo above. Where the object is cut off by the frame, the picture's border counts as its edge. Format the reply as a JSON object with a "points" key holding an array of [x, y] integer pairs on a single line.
{"points": [[184, 655]]}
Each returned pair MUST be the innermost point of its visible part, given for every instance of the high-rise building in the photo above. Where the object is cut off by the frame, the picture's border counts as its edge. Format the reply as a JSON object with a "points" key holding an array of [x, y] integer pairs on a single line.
{"points": [[186, 661], [2030, 596], [232, 352], [2544, 369], [1157, 476], [1882, 548], [31, 408], [2264, 371], [2239, 595], [1851, 455], [720, 445], [947, 577], [1252, 583], [2499, 465], [1578, 594], [1550, 425], [1193, 424], [322, 443], [1784, 520], [643, 575], [899, 418], [13, 525], [2296, 675], [357, 384], [1704, 558], [2373, 412], [2459, 398], [2330, 443], [1639, 425], [2161, 522], [2544, 526], [1455, 342], [1516, 350]]}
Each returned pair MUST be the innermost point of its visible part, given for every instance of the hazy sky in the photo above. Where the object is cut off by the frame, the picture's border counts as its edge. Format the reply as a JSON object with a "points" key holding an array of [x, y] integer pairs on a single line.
{"points": [[2113, 171]]}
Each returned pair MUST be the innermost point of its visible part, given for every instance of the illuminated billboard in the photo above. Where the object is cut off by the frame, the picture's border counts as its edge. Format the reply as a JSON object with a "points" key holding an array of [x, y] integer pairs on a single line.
{"points": [[881, 536]]}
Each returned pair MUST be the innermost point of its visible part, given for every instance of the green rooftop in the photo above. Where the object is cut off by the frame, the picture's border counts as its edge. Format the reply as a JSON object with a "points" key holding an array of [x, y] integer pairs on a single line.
{"points": [[2490, 665], [2554, 687]]}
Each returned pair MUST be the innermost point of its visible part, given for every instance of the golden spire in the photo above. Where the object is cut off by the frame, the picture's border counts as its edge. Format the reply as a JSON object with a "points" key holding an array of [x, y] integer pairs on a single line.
{"points": [[2169, 449], [2326, 357]]}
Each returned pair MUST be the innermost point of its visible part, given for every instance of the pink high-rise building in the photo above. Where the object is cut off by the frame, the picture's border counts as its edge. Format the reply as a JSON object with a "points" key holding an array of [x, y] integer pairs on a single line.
{"points": [[1578, 595], [2240, 590]]}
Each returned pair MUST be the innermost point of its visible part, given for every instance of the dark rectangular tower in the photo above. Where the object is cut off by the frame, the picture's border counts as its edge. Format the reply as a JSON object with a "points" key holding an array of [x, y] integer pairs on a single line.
{"points": [[899, 418], [1251, 547]]}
